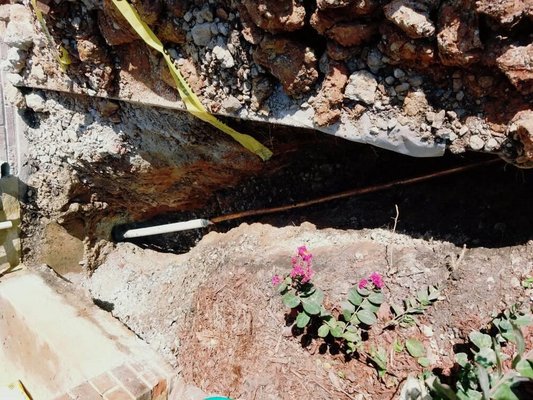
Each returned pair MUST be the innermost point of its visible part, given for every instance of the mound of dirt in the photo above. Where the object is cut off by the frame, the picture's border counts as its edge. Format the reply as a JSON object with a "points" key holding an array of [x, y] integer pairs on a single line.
{"points": [[214, 313]]}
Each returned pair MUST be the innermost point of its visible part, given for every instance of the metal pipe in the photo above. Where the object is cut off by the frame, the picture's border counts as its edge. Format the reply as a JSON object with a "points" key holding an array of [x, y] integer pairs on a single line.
{"points": [[167, 228], [6, 225]]}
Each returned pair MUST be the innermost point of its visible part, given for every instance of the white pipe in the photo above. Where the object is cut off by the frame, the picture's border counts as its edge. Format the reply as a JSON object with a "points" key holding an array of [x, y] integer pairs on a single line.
{"points": [[159, 229], [6, 225]]}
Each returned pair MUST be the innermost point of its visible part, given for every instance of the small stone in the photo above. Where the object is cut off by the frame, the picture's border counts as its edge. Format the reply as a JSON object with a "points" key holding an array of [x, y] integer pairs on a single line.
{"points": [[491, 145], [389, 80], [476, 142], [402, 87], [223, 28], [214, 29], [460, 95], [36, 102], [201, 34], [485, 82], [392, 123], [374, 131], [188, 16], [416, 80], [451, 114], [398, 73], [446, 134], [438, 119], [231, 104], [361, 86], [224, 56], [457, 84]]}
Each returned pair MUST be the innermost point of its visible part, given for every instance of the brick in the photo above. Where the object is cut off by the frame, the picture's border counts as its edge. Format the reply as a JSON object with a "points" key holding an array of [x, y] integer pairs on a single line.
{"points": [[118, 394], [104, 382], [85, 391], [131, 382]]}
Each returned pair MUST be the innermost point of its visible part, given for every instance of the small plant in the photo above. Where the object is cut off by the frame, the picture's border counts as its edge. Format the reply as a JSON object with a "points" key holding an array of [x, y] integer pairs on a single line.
{"points": [[503, 323], [298, 293], [358, 312], [481, 374], [417, 350], [405, 315], [379, 359]]}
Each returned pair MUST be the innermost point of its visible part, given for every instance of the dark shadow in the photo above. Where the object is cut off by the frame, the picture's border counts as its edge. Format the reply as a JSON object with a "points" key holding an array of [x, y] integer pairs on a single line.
{"points": [[104, 305]]}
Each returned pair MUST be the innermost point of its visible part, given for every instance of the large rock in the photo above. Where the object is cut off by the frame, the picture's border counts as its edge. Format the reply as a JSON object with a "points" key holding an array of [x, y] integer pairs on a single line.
{"points": [[329, 99], [323, 20], [276, 15], [293, 63], [458, 37], [19, 32], [410, 16], [352, 33], [516, 62], [504, 12], [323, 4], [361, 87]]}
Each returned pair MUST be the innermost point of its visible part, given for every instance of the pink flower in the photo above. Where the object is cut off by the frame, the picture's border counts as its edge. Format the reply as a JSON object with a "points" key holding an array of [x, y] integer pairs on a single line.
{"points": [[276, 280], [302, 269], [363, 283], [376, 279]]}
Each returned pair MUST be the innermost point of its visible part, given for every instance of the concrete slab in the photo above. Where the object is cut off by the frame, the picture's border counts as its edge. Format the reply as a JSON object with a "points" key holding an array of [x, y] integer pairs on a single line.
{"points": [[57, 343]]}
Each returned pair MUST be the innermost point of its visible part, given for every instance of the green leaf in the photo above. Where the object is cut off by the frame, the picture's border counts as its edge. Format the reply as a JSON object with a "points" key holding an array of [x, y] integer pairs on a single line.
{"points": [[311, 307], [323, 331], [282, 288], [376, 298], [354, 297], [485, 357], [398, 346], [415, 348], [525, 368], [481, 340], [302, 320], [461, 359], [290, 300], [363, 292], [337, 331], [434, 293], [366, 317], [523, 320], [423, 361], [354, 320], [367, 305], [504, 392], [484, 382], [351, 337], [422, 296], [443, 390]]}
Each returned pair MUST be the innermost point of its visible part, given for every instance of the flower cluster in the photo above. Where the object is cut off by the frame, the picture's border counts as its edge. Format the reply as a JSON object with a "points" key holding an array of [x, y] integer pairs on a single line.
{"points": [[302, 269], [375, 279]]}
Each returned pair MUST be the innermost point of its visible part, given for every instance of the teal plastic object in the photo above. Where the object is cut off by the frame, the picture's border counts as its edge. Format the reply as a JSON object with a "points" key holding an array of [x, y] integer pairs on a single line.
{"points": [[217, 398]]}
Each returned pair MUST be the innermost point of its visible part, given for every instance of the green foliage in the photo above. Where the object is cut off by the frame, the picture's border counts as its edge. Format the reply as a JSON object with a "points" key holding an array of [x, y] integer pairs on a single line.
{"points": [[417, 350], [379, 359], [305, 298], [481, 374], [405, 314]]}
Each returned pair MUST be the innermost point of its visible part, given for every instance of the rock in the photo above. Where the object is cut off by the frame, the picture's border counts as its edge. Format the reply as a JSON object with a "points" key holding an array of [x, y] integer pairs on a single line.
{"points": [[36, 102], [91, 50], [458, 38], [446, 134], [262, 88], [276, 16], [323, 4], [201, 34], [491, 145], [504, 12], [401, 49], [330, 96], [411, 16], [250, 32], [293, 63], [337, 52], [361, 87], [16, 59], [415, 103], [115, 32], [352, 33], [521, 129], [516, 63], [167, 31], [14, 96], [19, 32], [438, 119], [224, 56], [476, 143], [231, 105]]}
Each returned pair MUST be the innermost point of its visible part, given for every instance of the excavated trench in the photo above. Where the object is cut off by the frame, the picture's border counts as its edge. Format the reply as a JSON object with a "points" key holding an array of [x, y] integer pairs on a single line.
{"points": [[488, 205]]}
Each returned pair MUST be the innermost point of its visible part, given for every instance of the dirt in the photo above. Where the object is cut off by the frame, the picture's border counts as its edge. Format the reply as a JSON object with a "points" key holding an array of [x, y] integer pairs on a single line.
{"points": [[214, 313]]}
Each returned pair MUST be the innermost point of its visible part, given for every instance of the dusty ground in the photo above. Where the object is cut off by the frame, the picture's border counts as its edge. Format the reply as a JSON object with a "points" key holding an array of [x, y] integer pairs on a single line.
{"points": [[214, 314]]}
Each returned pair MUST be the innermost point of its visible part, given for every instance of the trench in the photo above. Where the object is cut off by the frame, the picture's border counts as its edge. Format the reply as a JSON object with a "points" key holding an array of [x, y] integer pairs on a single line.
{"points": [[487, 206]]}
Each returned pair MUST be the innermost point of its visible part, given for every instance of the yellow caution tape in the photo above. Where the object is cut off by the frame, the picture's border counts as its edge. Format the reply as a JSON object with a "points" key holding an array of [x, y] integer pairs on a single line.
{"points": [[14, 391], [62, 54], [192, 103]]}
